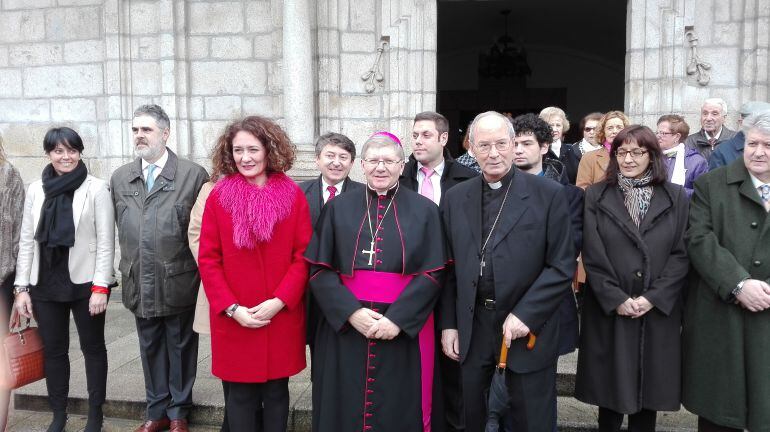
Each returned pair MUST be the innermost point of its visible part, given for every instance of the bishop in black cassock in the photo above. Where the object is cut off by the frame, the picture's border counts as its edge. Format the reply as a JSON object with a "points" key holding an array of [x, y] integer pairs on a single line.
{"points": [[368, 384]]}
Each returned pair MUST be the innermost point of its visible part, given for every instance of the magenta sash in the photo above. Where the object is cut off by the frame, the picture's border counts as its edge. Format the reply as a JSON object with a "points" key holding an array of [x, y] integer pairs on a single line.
{"points": [[382, 287]]}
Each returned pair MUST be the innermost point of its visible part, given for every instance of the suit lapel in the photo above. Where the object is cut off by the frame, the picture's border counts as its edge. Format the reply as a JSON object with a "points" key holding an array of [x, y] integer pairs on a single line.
{"points": [[472, 207], [315, 200], [79, 201], [515, 207]]}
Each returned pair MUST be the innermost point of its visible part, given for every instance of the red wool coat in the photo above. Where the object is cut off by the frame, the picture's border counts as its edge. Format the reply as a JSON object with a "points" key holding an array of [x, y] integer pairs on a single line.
{"points": [[249, 276]]}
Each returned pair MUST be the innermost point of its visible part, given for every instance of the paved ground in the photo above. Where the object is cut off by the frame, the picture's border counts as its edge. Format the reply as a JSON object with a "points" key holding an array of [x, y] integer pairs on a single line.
{"points": [[125, 390]]}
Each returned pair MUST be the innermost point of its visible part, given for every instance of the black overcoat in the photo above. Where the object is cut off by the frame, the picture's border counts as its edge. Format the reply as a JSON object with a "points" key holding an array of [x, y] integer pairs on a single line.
{"points": [[627, 364]]}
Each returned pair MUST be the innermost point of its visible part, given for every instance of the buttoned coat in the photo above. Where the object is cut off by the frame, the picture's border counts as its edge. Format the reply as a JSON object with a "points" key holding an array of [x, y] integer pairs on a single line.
{"points": [[159, 274], [533, 263], [628, 364], [727, 348]]}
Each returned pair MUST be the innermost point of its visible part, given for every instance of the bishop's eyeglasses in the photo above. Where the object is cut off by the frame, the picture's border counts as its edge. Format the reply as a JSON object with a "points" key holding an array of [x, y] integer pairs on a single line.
{"points": [[389, 163], [484, 148]]}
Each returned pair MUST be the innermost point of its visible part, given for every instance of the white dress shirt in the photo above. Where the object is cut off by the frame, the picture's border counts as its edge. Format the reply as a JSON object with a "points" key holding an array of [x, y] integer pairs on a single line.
{"points": [[435, 179], [159, 164], [325, 189]]}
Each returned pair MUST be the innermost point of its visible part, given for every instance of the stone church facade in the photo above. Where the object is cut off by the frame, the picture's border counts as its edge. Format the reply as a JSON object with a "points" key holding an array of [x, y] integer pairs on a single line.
{"points": [[353, 66]]}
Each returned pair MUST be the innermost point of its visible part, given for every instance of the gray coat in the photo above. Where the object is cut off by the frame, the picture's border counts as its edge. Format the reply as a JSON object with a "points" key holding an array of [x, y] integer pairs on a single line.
{"points": [[159, 273], [628, 364], [698, 141]]}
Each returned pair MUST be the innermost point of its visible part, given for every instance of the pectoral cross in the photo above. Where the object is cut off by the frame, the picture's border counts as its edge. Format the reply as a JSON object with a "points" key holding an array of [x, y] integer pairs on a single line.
{"points": [[482, 264], [370, 252]]}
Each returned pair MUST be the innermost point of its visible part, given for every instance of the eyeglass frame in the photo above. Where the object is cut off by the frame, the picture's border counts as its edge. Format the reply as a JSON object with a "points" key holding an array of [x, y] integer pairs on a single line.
{"points": [[386, 163], [505, 147], [636, 153]]}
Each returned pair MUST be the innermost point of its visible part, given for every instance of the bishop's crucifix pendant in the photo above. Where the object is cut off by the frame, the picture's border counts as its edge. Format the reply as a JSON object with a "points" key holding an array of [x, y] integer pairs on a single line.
{"points": [[370, 252], [482, 264]]}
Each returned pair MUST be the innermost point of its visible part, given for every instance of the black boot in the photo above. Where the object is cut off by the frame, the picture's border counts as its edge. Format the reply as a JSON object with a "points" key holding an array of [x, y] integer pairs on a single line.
{"points": [[95, 420], [58, 422]]}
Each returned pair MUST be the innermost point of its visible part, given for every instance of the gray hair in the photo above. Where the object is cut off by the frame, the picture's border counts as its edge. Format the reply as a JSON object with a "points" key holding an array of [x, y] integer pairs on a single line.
{"points": [[335, 139], [156, 112], [759, 121], [472, 127], [553, 111], [382, 141], [717, 101]]}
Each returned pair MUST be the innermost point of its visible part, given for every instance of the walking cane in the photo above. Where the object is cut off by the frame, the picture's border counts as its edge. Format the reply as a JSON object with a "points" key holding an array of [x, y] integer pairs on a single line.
{"points": [[504, 350]]}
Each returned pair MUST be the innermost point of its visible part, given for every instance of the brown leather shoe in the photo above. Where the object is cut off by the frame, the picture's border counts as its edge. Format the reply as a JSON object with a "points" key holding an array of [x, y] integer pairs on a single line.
{"points": [[154, 425], [179, 425]]}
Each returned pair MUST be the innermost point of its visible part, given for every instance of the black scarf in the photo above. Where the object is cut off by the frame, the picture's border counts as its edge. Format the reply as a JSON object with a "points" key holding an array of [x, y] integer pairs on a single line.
{"points": [[56, 226]]}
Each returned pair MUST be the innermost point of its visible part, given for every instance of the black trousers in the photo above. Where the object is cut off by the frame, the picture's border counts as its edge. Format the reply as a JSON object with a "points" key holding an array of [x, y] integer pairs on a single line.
{"points": [[449, 371], [53, 324], [258, 407], [532, 395], [169, 350], [643, 421]]}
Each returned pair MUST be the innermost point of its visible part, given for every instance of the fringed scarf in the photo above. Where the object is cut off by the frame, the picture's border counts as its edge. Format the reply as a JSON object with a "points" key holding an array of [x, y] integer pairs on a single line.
{"points": [[255, 210], [637, 194]]}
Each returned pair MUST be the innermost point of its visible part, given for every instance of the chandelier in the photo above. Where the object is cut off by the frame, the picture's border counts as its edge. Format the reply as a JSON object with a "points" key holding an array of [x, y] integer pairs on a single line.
{"points": [[506, 57]]}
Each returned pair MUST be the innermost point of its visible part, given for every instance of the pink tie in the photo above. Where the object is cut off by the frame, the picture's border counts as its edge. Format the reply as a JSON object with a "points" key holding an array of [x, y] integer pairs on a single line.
{"points": [[426, 189], [332, 192]]}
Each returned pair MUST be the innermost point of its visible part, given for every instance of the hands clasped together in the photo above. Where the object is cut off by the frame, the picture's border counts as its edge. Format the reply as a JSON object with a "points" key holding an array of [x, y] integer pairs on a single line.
{"points": [[634, 307], [755, 295], [259, 315], [373, 325]]}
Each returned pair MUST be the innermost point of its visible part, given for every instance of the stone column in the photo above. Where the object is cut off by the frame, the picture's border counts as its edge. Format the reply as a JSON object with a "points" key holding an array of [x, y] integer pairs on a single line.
{"points": [[298, 93]]}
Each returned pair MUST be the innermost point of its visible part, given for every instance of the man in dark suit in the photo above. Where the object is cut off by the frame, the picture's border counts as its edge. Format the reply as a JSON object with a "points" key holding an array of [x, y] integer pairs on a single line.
{"points": [[514, 258], [334, 155], [431, 171]]}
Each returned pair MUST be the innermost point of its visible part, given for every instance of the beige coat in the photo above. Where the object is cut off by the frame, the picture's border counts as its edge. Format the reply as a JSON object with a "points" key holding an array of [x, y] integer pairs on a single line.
{"points": [[201, 322], [592, 168]]}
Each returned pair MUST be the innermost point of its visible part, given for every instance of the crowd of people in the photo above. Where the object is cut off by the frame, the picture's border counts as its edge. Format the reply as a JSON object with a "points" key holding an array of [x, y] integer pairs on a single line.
{"points": [[437, 295]]}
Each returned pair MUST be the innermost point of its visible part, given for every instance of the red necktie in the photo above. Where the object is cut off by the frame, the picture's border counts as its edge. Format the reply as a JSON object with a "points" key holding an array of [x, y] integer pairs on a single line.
{"points": [[332, 192]]}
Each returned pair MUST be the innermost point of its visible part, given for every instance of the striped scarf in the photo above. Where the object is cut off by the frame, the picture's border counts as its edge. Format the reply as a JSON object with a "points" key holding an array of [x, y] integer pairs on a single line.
{"points": [[637, 194]]}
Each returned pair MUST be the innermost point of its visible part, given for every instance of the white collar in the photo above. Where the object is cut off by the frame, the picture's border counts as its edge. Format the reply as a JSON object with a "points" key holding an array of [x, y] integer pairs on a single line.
{"points": [[160, 163], [438, 170], [756, 182], [338, 186]]}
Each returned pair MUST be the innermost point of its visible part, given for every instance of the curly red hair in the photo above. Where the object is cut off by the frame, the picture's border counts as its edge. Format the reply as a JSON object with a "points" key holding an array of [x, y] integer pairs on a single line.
{"points": [[280, 150]]}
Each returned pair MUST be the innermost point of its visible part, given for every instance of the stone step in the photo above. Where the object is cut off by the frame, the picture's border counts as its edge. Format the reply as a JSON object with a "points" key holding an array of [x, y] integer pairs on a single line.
{"points": [[125, 385]]}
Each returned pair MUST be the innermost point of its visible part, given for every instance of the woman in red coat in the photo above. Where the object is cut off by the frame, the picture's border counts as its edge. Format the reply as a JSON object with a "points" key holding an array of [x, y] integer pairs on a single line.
{"points": [[256, 226]]}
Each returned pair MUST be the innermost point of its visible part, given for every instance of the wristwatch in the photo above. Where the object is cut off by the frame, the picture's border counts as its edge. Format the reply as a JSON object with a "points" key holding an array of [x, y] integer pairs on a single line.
{"points": [[738, 288], [231, 310], [20, 289]]}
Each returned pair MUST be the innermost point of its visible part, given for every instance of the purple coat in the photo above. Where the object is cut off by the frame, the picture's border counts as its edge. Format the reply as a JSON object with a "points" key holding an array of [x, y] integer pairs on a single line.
{"points": [[694, 165]]}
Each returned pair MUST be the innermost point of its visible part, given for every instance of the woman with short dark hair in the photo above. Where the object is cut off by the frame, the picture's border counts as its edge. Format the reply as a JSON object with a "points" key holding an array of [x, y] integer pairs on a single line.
{"points": [[256, 226], [65, 265], [636, 263]]}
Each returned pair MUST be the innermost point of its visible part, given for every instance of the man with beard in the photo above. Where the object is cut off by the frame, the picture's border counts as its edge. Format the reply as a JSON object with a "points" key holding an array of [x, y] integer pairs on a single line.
{"points": [[334, 156], [153, 196]]}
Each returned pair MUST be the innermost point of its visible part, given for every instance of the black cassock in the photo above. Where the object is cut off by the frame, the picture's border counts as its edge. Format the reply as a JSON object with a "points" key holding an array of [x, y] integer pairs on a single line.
{"points": [[362, 384]]}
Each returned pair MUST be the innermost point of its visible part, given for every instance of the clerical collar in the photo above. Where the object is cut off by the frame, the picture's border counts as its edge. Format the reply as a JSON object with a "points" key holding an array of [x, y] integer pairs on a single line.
{"points": [[390, 192], [500, 183]]}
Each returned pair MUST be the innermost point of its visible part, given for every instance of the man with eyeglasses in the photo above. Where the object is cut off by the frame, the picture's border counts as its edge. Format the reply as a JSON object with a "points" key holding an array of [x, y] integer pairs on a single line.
{"points": [[513, 261], [431, 171], [334, 155], [683, 164]]}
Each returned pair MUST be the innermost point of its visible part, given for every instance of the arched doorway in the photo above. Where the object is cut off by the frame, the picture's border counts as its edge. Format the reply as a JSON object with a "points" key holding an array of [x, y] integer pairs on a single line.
{"points": [[561, 52]]}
